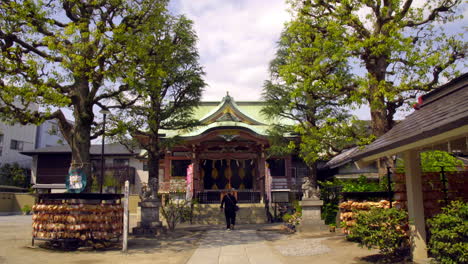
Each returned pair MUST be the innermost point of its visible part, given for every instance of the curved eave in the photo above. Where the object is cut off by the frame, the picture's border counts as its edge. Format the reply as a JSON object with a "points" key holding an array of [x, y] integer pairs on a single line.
{"points": [[228, 103], [260, 130]]}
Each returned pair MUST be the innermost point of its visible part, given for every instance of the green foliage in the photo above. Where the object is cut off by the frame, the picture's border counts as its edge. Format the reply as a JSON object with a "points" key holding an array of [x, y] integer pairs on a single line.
{"points": [[295, 217], [329, 211], [449, 234], [386, 229], [306, 96], [396, 50], [432, 161], [330, 194], [73, 55], [167, 85], [174, 211], [14, 175], [26, 209], [361, 184], [110, 180], [95, 183], [297, 206]]}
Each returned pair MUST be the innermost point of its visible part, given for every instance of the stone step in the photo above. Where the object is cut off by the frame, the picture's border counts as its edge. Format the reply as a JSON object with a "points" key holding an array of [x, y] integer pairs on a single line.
{"points": [[211, 214]]}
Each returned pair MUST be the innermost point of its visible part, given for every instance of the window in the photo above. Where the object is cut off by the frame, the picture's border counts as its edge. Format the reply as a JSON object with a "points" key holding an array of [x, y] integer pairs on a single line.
{"points": [[121, 162], [277, 167], [145, 166], [179, 168], [16, 144]]}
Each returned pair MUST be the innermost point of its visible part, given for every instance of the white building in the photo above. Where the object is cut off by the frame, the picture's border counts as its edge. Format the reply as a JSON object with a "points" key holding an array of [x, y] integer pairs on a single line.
{"points": [[48, 135], [17, 138], [13, 140]]}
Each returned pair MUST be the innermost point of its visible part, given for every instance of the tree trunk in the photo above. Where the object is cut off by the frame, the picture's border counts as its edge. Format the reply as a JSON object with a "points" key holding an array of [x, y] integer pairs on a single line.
{"points": [[313, 175], [78, 135], [379, 121], [381, 116], [377, 67], [153, 171], [80, 145]]}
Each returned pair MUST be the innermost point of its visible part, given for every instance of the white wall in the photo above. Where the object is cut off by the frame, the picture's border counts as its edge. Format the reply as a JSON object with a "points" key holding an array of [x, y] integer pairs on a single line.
{"points": [[141, 175], [25, 134], [44, 137]]}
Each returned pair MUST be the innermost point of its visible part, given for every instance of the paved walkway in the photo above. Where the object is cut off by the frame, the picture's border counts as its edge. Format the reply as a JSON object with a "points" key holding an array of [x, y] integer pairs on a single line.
{"points": [[236, 246]]}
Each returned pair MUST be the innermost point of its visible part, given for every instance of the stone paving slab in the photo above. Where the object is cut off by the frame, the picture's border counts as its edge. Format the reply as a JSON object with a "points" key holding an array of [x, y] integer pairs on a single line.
{"points": [[233, 247]]}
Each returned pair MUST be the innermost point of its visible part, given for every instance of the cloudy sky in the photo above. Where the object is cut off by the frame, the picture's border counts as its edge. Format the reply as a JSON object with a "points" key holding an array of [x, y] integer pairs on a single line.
{"points": [[237, 40]]}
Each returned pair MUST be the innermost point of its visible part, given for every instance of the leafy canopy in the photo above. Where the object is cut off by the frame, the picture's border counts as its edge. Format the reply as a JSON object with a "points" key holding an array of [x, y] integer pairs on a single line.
{"points": [[396, 48], [67, 55], [166, 85], [308, 84]]}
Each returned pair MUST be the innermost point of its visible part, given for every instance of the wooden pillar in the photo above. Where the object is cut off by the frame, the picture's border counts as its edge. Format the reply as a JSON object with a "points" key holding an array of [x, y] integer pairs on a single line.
{"points": [[415, 206], [167, 167], [196, 171], [261, 173], [287, 167]]}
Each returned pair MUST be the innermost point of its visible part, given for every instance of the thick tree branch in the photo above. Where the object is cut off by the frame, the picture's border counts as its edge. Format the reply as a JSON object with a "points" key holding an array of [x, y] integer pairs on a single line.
{"points": [[432, 16]]}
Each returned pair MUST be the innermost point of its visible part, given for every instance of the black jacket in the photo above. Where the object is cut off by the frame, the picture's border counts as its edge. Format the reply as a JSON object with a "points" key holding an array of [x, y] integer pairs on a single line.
{"points": [[230, 202]]}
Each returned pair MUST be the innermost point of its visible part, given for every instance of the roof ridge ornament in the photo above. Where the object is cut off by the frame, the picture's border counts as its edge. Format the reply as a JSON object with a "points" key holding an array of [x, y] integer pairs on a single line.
{"points": [[228, 98]]}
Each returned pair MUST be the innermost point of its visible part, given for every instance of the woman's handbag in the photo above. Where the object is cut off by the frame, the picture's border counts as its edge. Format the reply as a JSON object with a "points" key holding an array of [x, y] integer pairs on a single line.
{"points": [[235, 208]]}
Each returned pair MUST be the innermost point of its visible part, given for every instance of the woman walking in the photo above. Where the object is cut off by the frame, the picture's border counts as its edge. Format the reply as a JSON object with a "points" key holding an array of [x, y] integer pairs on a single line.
{"points": [[229, 203]]}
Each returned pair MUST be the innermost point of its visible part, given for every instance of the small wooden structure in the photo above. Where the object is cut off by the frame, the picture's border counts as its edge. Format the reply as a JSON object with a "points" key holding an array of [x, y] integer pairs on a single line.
{"points": [[77, 217], [440, 122]]}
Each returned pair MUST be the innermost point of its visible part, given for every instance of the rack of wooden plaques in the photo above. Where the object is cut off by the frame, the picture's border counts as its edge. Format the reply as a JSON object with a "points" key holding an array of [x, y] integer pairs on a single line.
{"points": [[77, 217]]}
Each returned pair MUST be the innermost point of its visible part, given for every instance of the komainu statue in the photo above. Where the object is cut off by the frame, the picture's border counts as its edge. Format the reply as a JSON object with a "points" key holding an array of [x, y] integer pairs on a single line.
{"points": [[308, 191]]}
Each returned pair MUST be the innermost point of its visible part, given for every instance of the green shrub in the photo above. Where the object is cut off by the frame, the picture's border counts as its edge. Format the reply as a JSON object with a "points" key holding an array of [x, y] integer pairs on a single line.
{"points": [[329, 211], [287, 217], [449, 234], [294, 218], [174, 211], [26, 209], [14, 175], [386, 229]]}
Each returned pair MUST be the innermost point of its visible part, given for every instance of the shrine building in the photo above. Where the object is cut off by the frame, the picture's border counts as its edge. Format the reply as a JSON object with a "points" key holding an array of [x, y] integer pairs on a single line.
{"points": [[229, 151]]}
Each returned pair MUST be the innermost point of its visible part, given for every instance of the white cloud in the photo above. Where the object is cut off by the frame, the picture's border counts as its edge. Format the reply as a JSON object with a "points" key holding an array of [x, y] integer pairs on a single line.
{"points": [[237, 40]]}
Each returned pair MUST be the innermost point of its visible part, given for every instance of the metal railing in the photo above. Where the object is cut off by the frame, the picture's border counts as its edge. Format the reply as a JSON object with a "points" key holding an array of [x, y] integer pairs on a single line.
{"points": [[214, 196]]}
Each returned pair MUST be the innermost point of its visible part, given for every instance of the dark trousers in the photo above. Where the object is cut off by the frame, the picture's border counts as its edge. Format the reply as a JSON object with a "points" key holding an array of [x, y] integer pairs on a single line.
{"points": [[230, 217]]}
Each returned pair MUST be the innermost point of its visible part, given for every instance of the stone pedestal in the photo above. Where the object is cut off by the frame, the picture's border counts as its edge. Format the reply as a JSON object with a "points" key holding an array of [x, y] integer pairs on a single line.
{"points": [[150, 225], [311, 220]]}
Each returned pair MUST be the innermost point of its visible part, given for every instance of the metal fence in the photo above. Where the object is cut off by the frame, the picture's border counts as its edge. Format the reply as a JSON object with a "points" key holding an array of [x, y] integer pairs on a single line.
{"points": [[214, 196]]}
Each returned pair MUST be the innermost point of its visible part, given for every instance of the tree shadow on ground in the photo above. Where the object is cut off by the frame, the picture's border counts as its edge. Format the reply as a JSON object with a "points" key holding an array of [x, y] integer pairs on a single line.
{"points": [[400, 257], [176, 241]]}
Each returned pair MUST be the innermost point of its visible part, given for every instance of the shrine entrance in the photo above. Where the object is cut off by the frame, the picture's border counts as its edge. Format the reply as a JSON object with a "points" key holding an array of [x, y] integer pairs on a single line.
{"points": [[228, 173]]}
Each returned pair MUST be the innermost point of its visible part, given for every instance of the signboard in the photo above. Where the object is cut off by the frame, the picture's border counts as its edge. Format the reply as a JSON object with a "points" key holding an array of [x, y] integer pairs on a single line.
{"points": [[280, 196], [76, 180], [125, 217], [189, 191]]}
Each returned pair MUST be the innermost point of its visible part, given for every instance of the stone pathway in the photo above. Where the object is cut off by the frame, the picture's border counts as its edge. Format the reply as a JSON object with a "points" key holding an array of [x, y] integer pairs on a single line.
{"points": [[236, 246]]}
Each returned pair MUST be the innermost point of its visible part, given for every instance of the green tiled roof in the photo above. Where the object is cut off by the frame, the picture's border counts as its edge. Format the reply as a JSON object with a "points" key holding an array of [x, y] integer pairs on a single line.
{"points": [[244, 114]]}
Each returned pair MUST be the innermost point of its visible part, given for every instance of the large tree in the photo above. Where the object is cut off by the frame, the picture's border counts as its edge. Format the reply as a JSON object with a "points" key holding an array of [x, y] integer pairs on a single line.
{"points": [[168, 85], [67, 54], [308, 85], [398, 48]]}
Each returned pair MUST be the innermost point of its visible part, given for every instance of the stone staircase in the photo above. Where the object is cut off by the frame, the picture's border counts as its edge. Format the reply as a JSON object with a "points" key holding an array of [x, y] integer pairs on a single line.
{"points": [[211, 214]]}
